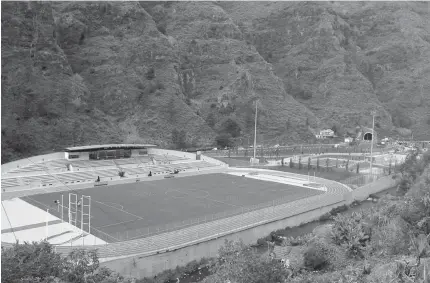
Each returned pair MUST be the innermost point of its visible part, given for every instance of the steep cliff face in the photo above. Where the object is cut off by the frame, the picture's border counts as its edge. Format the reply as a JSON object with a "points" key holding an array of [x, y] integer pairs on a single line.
{"points": [[222, 75], [344, 59], [98, 72], [45, 104]]}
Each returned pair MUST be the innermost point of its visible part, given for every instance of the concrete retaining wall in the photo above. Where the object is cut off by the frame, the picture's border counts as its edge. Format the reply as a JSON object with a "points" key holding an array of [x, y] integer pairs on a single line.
{"points": [[149, 266], [140, 266], [363, 192]]}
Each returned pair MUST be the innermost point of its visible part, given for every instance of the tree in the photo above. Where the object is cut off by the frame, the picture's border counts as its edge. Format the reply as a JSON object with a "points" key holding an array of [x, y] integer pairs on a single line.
{"points": [[327, 162], [77, 133], [211, 120], [291, 163], [37, 262], [318, 163], [287, 124], [347, 164], [309, 163], [224, 140], [241, 264], [231, 127], [171, 109], [150, 74], [300, 163], [30, 260], [358, 167], [179, 138]]}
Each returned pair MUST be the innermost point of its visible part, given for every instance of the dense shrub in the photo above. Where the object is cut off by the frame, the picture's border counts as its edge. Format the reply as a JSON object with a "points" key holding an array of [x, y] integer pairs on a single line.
{"points": [[150, 74], [400, 119], [351, 232], [231, 127], [224, 140], [179, 138], [210, 119], [315, 258], [393, 238]]}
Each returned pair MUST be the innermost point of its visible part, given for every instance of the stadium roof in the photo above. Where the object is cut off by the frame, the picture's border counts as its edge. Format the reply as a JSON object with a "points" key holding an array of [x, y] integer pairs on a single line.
{"points": [[108, 146]]}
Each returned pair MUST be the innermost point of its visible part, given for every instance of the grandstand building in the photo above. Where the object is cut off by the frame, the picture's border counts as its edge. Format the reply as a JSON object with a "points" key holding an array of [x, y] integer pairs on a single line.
{"points": [[85, 164], [107, 151]]}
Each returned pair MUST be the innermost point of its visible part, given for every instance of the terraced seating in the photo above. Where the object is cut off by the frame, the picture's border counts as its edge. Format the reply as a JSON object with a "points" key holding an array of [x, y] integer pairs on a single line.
{"points": [[10, 182], [30, 168], [169, 158], [127, 161], [92, 163], [144, 159], [38, 178], [136, 171], [106, 173], [175, 158], [57, 164]]}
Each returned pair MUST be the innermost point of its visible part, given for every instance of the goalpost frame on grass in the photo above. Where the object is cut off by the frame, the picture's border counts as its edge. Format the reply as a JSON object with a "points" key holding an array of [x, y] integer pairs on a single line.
{"points": [[73, 213]]}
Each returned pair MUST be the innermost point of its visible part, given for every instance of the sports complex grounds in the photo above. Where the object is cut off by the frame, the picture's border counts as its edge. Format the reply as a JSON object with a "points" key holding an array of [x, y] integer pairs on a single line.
{"points": [[141, 209]]}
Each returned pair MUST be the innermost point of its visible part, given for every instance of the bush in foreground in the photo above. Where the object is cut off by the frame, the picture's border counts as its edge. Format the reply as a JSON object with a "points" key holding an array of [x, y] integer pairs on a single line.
{"points": [[37, 262]]}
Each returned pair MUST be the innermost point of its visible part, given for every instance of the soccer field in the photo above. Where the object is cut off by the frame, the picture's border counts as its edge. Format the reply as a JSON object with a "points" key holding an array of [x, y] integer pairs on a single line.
{"points": [[126, 211]]}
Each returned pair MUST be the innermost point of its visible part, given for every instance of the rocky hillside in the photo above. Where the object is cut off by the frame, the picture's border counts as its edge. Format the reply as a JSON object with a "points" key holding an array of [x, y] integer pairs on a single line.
{"points": [[176, 73]]}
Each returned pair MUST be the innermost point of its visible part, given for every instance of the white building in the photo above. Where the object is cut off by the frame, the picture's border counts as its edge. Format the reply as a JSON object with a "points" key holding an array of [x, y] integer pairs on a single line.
{"points": [[325, 134], [349, 139]]}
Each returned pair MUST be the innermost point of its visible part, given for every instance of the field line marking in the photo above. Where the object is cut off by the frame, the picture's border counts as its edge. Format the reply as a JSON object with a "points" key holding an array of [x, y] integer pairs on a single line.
{"points": [[114, 203], [209, 198], [134, 215], [38, 202], [114, 224]]}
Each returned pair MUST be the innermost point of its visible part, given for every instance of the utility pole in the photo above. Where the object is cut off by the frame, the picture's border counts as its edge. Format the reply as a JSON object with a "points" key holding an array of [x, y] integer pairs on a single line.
{"points": [[371, 145], [255, 129]]}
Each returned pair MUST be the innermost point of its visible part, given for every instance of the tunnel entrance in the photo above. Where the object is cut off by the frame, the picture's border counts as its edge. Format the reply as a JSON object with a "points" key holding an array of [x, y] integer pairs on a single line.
{"points": [[368, 137]]}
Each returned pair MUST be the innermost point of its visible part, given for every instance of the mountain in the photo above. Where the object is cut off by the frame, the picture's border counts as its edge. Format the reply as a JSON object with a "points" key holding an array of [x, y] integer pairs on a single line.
{"points": [[176, 73]]}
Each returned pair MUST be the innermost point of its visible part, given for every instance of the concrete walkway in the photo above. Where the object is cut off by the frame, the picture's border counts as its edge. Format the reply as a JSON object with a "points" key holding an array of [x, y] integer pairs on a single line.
{"points": [[22, 221]]}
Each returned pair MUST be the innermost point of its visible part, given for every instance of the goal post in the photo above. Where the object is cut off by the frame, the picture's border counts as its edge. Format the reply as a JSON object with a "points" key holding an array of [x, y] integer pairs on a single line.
{"points": [[73, 208], [85, 217]]}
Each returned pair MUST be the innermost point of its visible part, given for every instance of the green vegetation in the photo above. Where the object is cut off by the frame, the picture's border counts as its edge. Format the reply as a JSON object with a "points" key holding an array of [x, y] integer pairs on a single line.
{"points": [[179, 138], [37, 262], [387, 243]]}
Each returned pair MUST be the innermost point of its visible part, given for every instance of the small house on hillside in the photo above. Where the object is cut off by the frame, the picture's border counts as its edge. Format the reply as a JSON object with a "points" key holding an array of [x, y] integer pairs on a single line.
{"points": [[324, 134]]}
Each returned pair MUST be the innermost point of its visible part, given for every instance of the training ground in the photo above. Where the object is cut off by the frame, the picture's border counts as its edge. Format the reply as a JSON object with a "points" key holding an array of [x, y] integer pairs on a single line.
{"points": [[135, 210]]}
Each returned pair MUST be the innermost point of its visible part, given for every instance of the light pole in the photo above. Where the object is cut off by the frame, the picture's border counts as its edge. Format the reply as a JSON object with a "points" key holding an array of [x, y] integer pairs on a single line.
{"points": [[255, 129], [371, 144]]}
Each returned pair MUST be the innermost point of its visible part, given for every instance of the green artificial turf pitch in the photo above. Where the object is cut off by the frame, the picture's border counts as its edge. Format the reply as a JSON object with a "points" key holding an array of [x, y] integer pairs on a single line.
{"points": [[129, 210]]}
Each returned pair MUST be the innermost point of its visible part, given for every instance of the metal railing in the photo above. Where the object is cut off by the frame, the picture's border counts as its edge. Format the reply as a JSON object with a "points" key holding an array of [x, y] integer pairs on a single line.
{"points": [[361, 180], [159, 229], [287, 151], [211, 229]]}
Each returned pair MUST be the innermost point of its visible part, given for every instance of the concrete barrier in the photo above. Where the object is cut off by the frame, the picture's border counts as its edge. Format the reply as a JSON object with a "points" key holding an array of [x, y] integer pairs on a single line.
{"points": [[148, 266], [363, 192]]}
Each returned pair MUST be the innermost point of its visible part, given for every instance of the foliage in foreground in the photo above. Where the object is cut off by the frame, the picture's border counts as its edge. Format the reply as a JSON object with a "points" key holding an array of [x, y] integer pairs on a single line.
{"points": [[37, 262], [388, 243]]}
